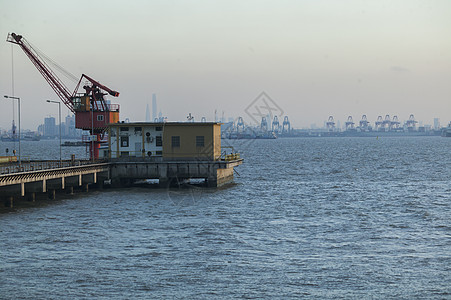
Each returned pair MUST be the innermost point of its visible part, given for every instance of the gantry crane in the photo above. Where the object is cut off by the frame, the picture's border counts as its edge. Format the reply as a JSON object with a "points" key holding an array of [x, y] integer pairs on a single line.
{"points": [[92, 112]]}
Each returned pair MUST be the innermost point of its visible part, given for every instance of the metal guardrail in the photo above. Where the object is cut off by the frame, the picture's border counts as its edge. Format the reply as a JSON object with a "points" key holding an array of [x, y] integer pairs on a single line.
{"points": [[48, 174], [13, 168], [232, 156], [116, 154]]}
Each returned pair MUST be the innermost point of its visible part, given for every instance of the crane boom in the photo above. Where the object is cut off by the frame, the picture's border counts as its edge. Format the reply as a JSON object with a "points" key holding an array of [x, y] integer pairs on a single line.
{"points": [[98, 84], [97, 101], [92, 111], [57, 85]]}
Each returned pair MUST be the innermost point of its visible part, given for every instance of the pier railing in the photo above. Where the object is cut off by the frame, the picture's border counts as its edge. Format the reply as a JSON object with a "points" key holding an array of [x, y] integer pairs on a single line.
{"points": [[29, 166]]}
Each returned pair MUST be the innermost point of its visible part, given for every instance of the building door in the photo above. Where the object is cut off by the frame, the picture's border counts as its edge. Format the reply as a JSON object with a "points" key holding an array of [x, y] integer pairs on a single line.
{"points": [[138, 149]]}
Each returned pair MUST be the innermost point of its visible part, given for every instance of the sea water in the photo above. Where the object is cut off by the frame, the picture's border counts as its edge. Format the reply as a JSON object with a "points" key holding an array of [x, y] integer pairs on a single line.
{"points": [[305, 218]]}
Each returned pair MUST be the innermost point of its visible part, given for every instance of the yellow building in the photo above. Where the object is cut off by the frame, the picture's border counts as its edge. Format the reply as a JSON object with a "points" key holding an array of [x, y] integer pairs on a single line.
{"points": [[186, 141], [169, 141]]}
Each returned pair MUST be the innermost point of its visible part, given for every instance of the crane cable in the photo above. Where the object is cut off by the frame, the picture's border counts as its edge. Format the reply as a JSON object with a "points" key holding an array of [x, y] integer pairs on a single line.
{"points": [[47, 59], [13, 133]]}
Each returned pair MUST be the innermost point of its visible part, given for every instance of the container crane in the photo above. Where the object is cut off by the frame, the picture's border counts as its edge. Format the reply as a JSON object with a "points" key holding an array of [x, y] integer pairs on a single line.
{"points": [[395, 123], [240, 125], [386, 124], [275, 125], [411, 123], [286, 126], [363, 124], [378, 123], [92, 112], [330, 124], [264, 125], [349, 124]]}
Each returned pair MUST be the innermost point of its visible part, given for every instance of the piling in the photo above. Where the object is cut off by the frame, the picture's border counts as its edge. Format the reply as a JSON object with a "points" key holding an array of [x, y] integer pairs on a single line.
{"points": [[52, 194], [9, 202], [70, 190], [32, 197]]}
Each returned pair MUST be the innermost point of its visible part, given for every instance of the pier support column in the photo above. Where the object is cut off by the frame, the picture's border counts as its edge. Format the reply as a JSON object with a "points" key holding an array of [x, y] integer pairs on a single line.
{"points": [[163, 182], [52, 194], [85, 187], [101, 184], [22, 189], [223, 177], [115, 183], [70, 190], [32, 197], [9, 201], [126, 182], [212, 182]]}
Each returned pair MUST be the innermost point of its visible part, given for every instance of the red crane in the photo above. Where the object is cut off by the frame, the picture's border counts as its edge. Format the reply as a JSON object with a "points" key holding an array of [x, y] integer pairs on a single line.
{"points": [[92, 112]]}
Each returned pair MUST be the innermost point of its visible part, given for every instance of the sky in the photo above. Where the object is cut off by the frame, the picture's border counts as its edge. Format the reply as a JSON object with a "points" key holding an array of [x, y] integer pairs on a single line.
{"points": [[313, 59]]}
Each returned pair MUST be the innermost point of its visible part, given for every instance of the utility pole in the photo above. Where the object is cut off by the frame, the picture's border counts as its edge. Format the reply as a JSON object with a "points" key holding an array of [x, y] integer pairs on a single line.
{"points": [[18, 101], [59, 109]]}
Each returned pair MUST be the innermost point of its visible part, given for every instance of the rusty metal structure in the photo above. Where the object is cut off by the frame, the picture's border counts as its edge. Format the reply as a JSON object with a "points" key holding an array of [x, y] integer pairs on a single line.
{"points": [[92, 111]]}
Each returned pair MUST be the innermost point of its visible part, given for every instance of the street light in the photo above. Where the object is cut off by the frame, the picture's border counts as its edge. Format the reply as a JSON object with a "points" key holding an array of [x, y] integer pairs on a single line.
{"points": [[59, 108], [18, 101]]}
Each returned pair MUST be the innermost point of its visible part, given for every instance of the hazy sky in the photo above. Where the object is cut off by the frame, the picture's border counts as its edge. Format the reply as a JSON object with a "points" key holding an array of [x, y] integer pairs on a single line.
{"points": [[313, 58]]}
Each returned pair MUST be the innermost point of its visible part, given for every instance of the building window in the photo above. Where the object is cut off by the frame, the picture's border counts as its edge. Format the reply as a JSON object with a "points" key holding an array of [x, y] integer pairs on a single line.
{"points": [[159, 153], [158, 128], [159, 141], [138, 129], [200, 141], [125, 154], [100, 118], [124, 129], [175, 141], [124, 141]]}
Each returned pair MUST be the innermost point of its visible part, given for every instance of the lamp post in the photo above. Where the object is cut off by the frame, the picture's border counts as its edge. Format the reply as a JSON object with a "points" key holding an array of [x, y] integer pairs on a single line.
{"points": [[59, 109], [18, 101]]}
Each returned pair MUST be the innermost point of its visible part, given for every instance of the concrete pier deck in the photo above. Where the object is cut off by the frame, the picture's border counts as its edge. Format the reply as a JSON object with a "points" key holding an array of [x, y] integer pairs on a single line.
{"points": [[31, 178], [215, 173]]}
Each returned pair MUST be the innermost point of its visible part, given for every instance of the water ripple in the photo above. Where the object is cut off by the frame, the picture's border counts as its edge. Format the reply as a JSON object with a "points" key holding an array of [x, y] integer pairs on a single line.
{"points": [[307, 218]]}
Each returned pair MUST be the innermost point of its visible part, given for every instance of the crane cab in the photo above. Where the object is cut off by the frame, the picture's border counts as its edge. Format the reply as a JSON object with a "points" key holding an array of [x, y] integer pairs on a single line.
{"points": [[99, 117], [96, 119], [81, 103]]}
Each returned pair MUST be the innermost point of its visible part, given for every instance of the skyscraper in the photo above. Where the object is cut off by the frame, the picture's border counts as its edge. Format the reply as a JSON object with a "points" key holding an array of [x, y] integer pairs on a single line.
{"points": [[436, 123], [148, 113], [69, 126], [49, 127], [154, 107]]}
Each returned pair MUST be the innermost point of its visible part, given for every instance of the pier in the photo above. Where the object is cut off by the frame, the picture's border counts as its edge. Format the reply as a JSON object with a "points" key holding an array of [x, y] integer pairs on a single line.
{"points": [[27, 180], [215, 173]]}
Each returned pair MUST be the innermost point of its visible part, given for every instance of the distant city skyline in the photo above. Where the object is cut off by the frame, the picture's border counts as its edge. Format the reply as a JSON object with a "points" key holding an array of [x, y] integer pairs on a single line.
{"points": [[49, 128], [436, 123], [313, 58]]}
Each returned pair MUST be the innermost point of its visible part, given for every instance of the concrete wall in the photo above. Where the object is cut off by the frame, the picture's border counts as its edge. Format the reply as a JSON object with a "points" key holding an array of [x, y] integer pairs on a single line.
{"points": [[224, 176], [216, 173]]}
